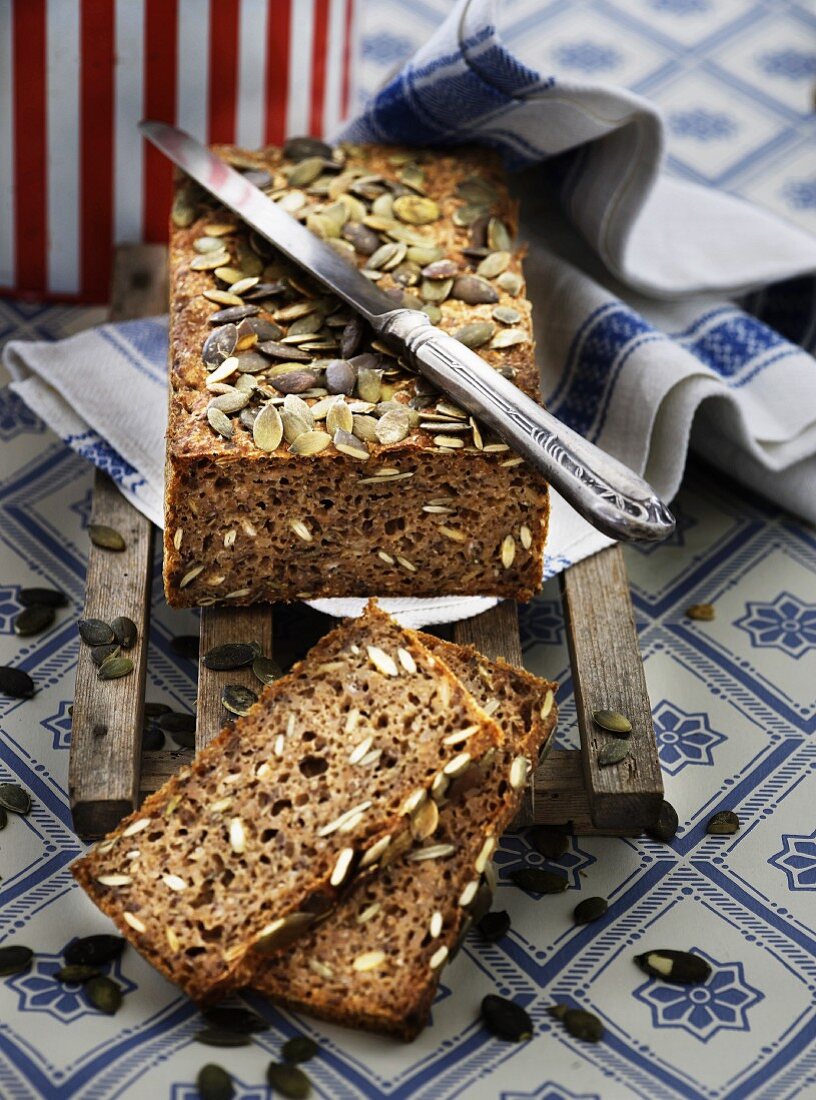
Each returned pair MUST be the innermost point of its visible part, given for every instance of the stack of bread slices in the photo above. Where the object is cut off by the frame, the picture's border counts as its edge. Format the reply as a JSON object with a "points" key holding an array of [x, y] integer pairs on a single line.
{"points": [[331, 849]]}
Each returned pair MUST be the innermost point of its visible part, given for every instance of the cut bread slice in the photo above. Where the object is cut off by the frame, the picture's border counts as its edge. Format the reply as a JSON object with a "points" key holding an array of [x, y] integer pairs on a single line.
{"points": [[375, 962], [271, 822]]}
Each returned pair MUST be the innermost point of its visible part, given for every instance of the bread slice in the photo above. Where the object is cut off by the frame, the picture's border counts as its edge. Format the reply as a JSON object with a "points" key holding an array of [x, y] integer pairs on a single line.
{"points": [[412, 913], [267, 826]]}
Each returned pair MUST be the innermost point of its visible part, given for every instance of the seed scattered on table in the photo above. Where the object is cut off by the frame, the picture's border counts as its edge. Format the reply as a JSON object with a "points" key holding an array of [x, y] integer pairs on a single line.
{"points": [[724, 823], [538, 881], [578, 1022], [104, 994], [613, 722], [679, 967], [14, 798], [46, 597], [667, 824], [33, 620], [493, 926], [506, 1019], [704, 612], [613, 753], [15, 683], [14, 959], [590, 909], [106, 538], [214, 1083]]}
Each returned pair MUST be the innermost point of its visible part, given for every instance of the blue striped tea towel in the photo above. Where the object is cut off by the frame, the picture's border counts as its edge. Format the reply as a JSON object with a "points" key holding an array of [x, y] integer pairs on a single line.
{"points": [[654, 298]]}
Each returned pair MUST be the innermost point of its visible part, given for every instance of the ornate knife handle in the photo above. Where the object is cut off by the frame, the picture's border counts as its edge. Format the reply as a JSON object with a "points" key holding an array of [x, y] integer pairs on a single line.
{"points": [[608, 494]]}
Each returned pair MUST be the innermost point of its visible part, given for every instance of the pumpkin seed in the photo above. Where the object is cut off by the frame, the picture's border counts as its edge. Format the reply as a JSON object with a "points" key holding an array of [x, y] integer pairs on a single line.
{"points": [[288, 1080], [679, 967], [104, 994], [340, 377], [306, 171], [220, 423], [435, 290], [613, 722], [94, 950], [185, 645], [339, 417], [78, 973], [506, 314], [590, 909], [48, 597], [299, 148], [363, 240], [114, 668], [299, 1049], [33, 620], [394, 426], [15, 798], [15, 683], [510, 282], [310, 443], [176, 722], [667, 824], [538, 881], [493, 926], [267, 429], [219, 345], [214, 1083], [473, 290], [295, 381], [242, 1021], [724, 823], [493, 264], [95, 632], [15, 959], [220, 1037], [238, 699], [474, 335], [506, 1019], [548, 841], [266, 670], [105, 537], [349, 444], [704, 612], [509, 337], [182, 212], [578, 1022], [498, 236], [233, 313], [613, 753], [102, 653], [124, 631], [229, 656]]}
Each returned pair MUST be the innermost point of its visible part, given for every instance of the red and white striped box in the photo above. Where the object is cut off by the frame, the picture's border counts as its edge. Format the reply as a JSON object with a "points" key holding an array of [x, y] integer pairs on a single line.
{"points": [[76, 76]]}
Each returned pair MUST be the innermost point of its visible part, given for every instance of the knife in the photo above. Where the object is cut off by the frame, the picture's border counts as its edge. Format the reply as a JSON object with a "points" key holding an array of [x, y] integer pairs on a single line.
{"points": [[613, 498]]}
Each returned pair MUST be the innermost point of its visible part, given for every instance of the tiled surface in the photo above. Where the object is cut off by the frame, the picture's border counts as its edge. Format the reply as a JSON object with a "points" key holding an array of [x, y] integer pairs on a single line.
{"points": [[734, 705]]}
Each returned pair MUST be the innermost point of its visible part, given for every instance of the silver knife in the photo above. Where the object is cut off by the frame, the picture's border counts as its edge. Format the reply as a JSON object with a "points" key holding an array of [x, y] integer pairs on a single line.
{"points": [[613, 498]]}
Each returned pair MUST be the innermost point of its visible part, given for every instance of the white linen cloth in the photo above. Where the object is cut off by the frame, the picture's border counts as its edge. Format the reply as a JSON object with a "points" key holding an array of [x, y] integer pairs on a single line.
{"points": [[646, 340]]}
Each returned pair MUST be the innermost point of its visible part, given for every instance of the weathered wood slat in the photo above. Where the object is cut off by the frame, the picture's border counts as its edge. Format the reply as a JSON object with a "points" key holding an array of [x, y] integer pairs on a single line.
{"points": [[495, 633], [608, 674], [218, 626], [106, 730]]}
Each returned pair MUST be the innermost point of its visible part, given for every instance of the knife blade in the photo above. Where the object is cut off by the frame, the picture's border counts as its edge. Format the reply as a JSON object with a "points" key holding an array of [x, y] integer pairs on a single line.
{"points": [[613, 498]]}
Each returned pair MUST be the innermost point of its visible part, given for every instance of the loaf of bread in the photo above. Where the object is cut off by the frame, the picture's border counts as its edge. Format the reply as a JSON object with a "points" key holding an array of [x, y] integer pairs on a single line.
{"points": [[304, 458], [375, 962], [261, 834]]}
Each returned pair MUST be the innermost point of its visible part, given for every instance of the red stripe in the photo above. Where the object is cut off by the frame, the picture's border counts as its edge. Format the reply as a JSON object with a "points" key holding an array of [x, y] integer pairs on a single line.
{"points": [[161, 34], [345, 94], [30, 217], [223, 69], [319, 52], [277, 68], [96, 146]]}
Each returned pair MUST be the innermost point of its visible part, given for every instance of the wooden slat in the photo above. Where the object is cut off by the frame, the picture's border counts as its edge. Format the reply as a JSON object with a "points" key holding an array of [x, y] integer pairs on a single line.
{"points": [[103, 778], [218, 626], [608, 673], [494, 633]]}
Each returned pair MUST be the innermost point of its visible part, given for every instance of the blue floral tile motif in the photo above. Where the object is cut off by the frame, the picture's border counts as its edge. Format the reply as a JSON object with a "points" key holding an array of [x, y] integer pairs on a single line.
{"points": [[798, 860], [701, 124], [800, 194], [514, 852], [9, 606], [549, 1091], [59, 726], [541, 623], [16, 418], [40, 991], [721, 1004], [786, 623], [588, 56], [792, 64], [683, 738]]}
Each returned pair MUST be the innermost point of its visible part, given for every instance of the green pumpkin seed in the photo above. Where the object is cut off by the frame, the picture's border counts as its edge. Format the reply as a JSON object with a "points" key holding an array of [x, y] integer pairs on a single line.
{"points": [[299, 1049], [220, 1037], [33, 620], [48, 597], [14, 959], [230, 655], [288, 1080], [493, 926], [102, 653], [104, 994], [578, 1022], [124, 630], [506, 1019], [242, 1021], [473, 290], [510, 282], [95, 632], [548, 841], [475, 334], [613, 722], [613, 753], [214, 1083], [679, 967], [77, 974], [704, 612], [114, 668], [306, 171], [493, 264], [15, 683], [15, 798], [724, 823], [667, 824], [590, 909], [538, 881], [238, 699], [94, 950], [266, 670], [506, 314], [107, 538], [498, 236]]}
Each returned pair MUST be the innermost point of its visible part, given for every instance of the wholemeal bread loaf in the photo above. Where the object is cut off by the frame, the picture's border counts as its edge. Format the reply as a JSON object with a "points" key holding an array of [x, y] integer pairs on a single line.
{"points": [[375, 962], [262, 832], [303, 458]]}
